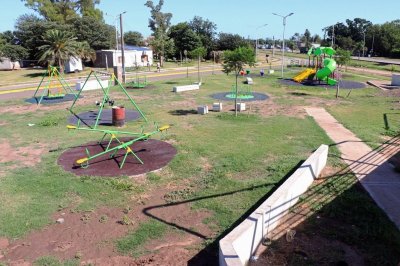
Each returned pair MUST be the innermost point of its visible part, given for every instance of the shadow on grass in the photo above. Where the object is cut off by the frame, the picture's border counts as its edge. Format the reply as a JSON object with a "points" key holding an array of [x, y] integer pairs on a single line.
{"points": [[180, 112], [209, 255], [34, 75], [335, 218], [299, 94]]}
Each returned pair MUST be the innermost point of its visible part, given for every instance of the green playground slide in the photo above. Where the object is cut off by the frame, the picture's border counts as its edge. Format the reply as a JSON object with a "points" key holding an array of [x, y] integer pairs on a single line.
{"points": [[329, 67]]}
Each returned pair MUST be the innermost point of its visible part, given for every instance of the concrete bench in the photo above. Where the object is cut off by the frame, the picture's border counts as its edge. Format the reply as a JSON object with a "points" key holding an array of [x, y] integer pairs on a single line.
{"points": [[240, 107], [91, 85], [186, 88], [249, 81], [217, 107], [202, 109]]}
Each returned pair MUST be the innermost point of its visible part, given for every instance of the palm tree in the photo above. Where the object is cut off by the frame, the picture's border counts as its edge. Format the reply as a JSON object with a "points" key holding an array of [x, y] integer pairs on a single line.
{"points": [[84, 51], [59, 46]]}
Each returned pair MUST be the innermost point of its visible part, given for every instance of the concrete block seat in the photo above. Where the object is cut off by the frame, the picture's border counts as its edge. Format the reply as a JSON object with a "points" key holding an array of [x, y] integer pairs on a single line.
{"points": [[186, 88]]}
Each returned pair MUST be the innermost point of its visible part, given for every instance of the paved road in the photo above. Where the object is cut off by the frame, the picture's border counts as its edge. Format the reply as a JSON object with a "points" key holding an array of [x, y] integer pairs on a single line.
{"points": [[371, 168], [378, 60], [26, 90]]}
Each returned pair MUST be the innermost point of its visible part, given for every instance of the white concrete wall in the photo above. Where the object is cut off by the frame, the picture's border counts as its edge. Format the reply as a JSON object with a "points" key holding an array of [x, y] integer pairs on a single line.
{"points": [[238, 246], [91, 85], [186, 88], [73, 64], [6, 64]]}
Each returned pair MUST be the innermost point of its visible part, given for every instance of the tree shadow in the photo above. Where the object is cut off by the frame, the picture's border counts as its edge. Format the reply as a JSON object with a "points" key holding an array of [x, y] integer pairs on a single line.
{"points": [[209, 255], [300, 94], [34, 75], [180, 112]]}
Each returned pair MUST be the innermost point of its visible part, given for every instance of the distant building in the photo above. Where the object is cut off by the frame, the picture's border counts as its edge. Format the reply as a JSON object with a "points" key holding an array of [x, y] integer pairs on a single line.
{"points": [[73, 65], [134, 56], [7, 64], [304, 49]]}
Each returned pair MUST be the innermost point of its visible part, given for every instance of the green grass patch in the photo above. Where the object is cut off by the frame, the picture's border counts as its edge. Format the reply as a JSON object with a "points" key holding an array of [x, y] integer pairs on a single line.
{"points": [[132, 244], [53, 261]]}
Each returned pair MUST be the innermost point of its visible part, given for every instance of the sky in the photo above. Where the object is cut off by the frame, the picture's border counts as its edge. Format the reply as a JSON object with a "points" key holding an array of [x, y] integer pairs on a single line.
{"points": [[244, 17]]}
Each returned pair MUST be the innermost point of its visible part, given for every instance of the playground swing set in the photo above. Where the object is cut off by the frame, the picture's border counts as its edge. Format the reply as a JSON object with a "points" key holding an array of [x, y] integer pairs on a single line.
{"points": [[243, 92], [139, 82], [324, 67], [56, 87], [106, 99]]}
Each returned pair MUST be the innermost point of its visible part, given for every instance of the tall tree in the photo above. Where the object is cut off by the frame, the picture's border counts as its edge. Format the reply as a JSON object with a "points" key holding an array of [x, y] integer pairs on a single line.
{"points": [[59, 46], [206, 30], [234, 61], [84, 51], [29, 30], [133, 38], [184, 38], [13, 52], [98, 34], [228, 41], [159, 23], [307, 38], [198, 53], [65, 10]]}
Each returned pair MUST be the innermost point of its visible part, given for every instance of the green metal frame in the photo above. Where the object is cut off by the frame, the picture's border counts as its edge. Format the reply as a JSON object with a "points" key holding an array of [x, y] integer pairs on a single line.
{"points": [[53, 73], [84, 162], [106, 96], [243, 92], [136, 83]]}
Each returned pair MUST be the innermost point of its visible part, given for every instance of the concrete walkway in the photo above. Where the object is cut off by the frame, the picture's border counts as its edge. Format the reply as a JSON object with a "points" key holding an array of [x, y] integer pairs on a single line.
{"points": [[371, 168]]}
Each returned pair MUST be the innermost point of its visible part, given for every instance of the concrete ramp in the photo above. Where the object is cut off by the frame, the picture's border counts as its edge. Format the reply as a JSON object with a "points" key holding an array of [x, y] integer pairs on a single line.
{"points": [[371, 167]]}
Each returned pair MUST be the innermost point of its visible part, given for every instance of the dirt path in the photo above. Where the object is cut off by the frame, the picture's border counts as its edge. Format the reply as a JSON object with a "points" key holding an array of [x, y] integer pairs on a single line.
{"points": [[371, 168], [91, 236]]}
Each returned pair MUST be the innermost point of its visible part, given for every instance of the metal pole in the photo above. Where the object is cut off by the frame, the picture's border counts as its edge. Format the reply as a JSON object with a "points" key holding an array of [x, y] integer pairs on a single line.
{"points": [[116, 34], [213, 62], [273, 46], [256, 48], [333, 35], [372, 48], [283, 45], [122, 48], [364, 44]]}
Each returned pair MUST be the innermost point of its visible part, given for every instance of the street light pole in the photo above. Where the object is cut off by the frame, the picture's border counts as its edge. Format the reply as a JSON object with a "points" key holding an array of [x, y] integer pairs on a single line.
{"points": [[257, 38], [283, 44], [122, 47]]}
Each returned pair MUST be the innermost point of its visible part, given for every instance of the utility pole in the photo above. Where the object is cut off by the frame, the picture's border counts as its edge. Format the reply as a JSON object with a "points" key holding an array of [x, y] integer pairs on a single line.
{"points": [[122, 48], [273, 46], [283, 41], [363, 52], [333, 35]]}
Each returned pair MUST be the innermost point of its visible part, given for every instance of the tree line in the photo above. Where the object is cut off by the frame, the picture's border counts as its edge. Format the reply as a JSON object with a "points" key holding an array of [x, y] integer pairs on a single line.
{"points": [[65, 28]]}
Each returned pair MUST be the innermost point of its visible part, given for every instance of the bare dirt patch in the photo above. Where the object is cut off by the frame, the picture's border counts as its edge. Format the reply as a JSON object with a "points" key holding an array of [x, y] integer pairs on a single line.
{"points": [[20, 156], [91, 235]]}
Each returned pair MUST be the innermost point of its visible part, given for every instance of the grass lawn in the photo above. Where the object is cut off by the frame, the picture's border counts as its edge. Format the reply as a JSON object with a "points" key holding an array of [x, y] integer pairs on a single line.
{"points": [[224, 165]]}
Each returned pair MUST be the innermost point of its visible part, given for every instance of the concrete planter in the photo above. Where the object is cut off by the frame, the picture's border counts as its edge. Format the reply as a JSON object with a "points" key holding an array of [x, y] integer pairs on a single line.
{"points": [[202, 109]]}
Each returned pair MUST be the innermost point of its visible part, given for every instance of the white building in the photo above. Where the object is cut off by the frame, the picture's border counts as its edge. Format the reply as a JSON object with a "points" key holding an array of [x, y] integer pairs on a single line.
{"points": [[73, 65], [7, 64], [134, 56]]}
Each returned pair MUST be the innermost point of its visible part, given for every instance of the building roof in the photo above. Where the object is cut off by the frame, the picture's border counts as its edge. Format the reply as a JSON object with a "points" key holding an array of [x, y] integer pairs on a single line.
{"points": [[137, 48]]}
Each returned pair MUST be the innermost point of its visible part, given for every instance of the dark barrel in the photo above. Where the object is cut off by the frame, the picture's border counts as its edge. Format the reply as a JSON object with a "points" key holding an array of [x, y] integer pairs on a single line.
{"points": [[118, 116]]}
